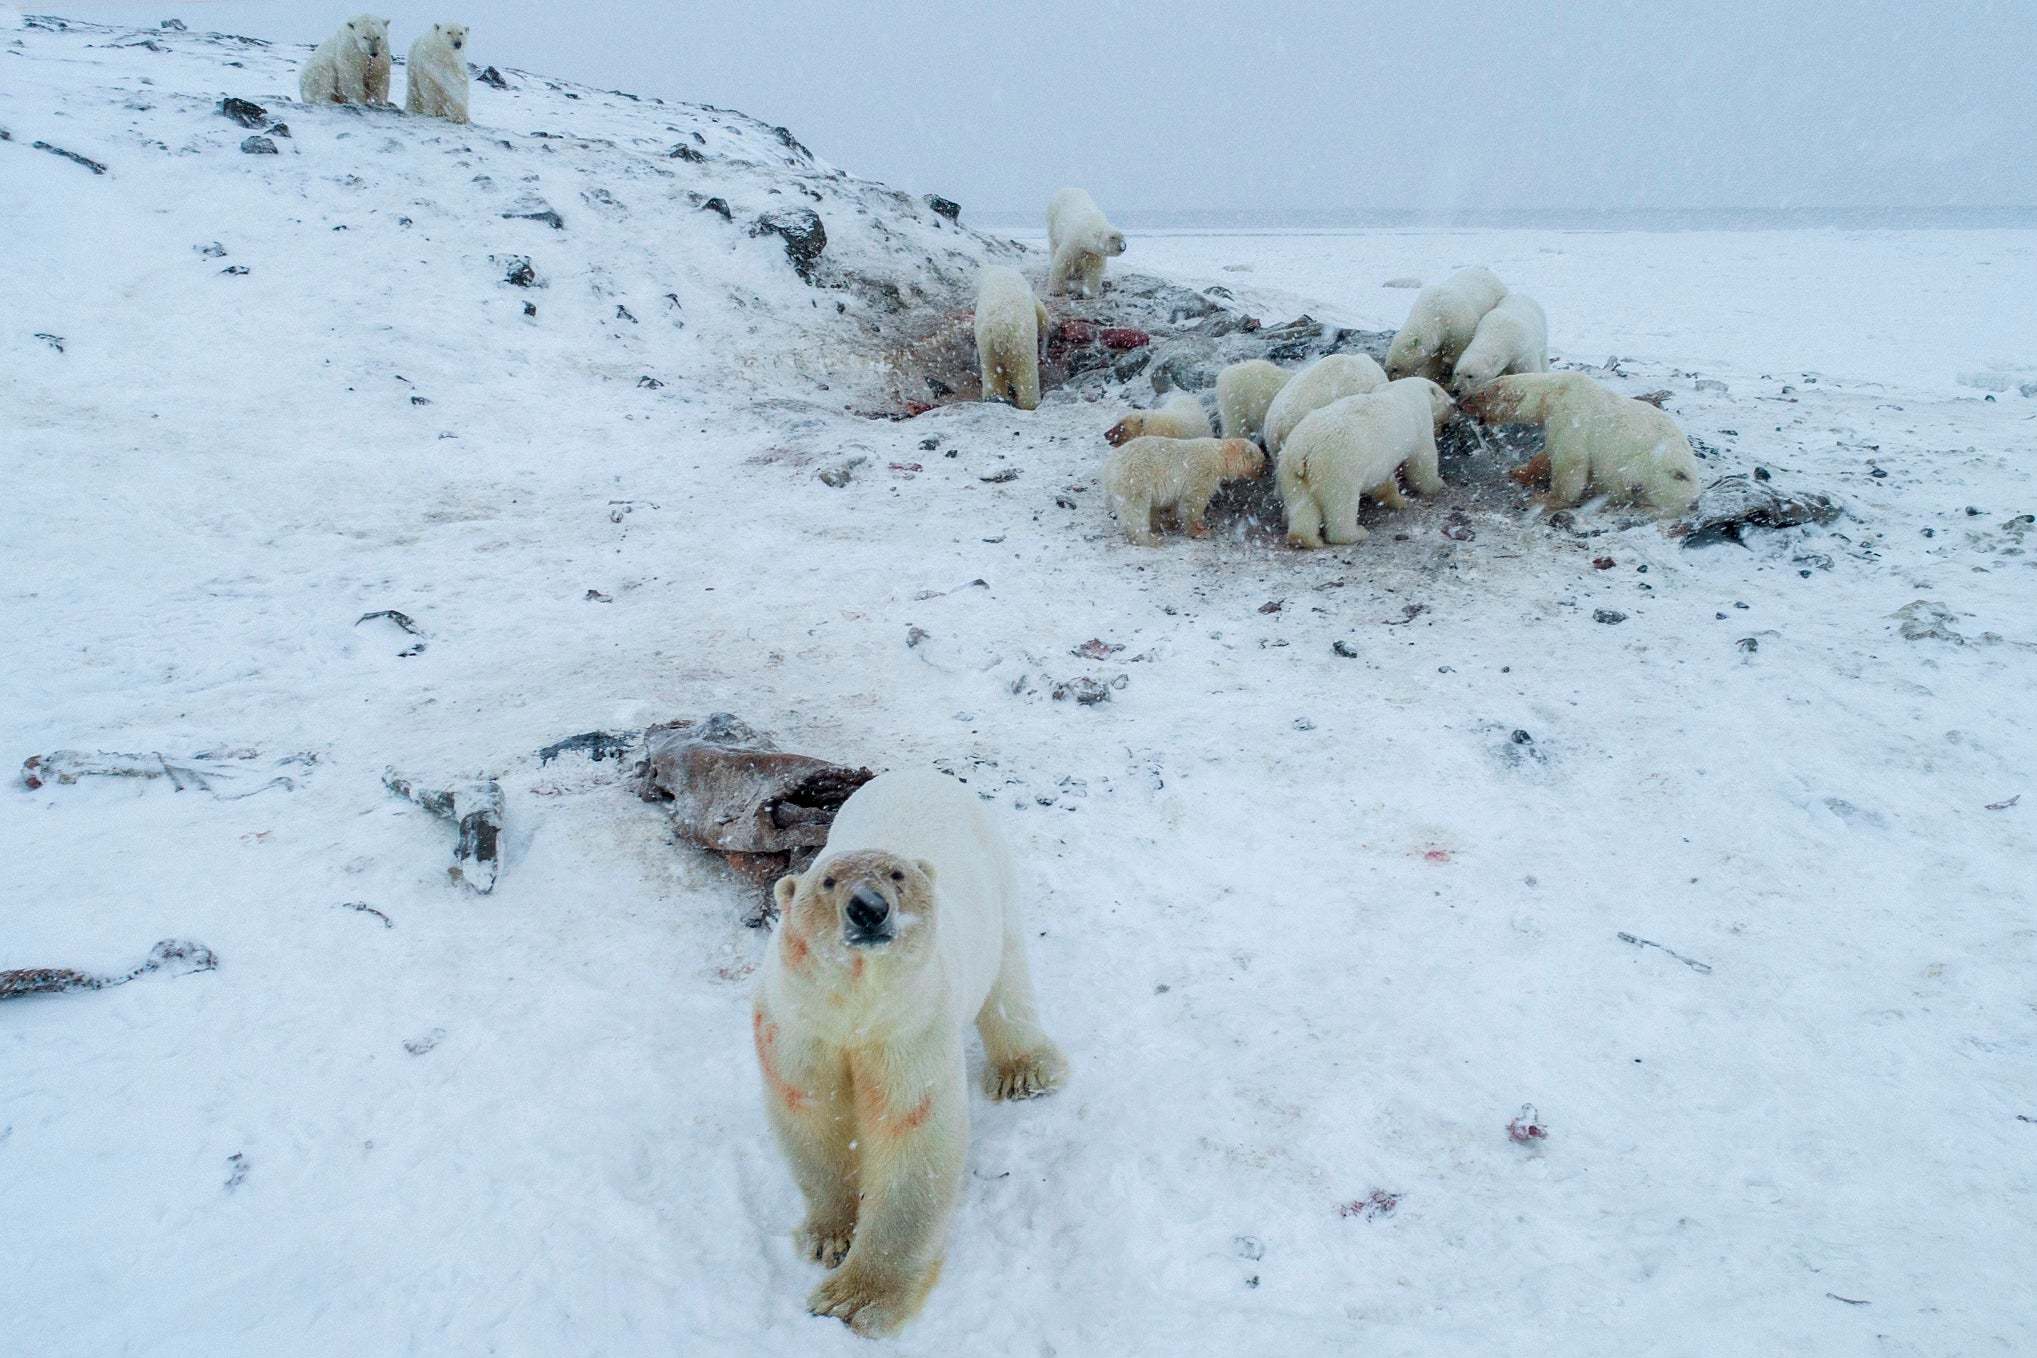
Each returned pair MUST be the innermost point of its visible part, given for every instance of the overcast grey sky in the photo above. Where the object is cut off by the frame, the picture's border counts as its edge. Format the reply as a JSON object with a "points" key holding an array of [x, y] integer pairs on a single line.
{"points": [[1475, 106]]}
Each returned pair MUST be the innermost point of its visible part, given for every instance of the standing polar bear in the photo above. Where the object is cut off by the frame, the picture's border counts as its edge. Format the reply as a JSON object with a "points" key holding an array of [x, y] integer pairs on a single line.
{"points": [[351, 66], [435, 74], [1151, 475], [1594, 437], [1180, 416], [1244, 392], [1352, 448], [1009, 324], [1442, 321], [1080, 238], [1330, 378], [904, 931], [1513, 337]]}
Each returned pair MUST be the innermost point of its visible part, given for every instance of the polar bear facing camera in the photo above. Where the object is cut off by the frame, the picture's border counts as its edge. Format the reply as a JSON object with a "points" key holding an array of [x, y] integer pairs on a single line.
{"points": [[351, 66], [1080, 238], [1009, 324], [1352, 448], [1596, 439], [1513, 337], [1180, 416], [904, 931], [435, 74], [1150, 476], [1330, 378], [1442, 321], [1244, 391]]}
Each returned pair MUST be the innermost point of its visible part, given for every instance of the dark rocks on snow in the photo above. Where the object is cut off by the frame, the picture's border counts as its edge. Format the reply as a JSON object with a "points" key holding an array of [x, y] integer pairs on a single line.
{"points": [[791, 143], [682, 151], [945, 207], [1608, 615], [172, 26], [522, 275], [1732, 504], [55, 342], [490, 76], [236, 270], [258, 146], [718, 205], [242, 111], [94, 166], [804, 236], [549, 216]]}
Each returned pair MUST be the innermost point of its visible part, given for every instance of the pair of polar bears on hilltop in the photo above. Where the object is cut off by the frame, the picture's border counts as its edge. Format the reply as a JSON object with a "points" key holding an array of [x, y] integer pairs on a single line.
{"points": [[352, 67], [1343, 428]]}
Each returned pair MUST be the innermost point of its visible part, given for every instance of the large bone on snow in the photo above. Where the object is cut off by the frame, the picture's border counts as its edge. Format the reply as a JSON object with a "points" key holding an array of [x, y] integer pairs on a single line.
{"points": [[476, 809]]}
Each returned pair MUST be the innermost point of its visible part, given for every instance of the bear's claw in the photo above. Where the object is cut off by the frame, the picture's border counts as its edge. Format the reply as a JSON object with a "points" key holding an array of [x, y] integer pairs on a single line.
{"points": [[870, 1306], [1026, 1075], [827, 1244]]}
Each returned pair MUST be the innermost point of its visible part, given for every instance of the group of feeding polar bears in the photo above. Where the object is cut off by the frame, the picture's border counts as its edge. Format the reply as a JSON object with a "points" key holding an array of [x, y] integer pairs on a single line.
{"points": [[1342, 428], [352, 67]]}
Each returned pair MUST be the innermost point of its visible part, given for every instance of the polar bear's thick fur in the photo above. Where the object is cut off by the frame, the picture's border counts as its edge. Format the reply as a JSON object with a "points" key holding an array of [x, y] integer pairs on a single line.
{"points": [[351, 66], [1352, 448], [1151, 475], [1596, 439], [1009, 324], [435, 80], [904, 931], [1330, 378], [1080, 238], [1180, 416], [1513, 337], [1244, 391], [1442, 321]]}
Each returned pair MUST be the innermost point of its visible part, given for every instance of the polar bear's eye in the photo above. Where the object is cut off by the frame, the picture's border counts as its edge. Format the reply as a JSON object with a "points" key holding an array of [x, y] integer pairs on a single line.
{"points": [[827, 883]]}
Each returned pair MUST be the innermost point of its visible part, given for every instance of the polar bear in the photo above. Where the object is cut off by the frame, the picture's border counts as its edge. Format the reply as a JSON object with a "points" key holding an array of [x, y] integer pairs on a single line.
{"points": [[1180, 416], [1244, 391], [1594, 437], [1330, 378], [1149, 475], [1352, 448], [1009, 324], [435, 74], [1513, 337], [351, 66], [1079, 237], [904, 930], [1442, 321]]}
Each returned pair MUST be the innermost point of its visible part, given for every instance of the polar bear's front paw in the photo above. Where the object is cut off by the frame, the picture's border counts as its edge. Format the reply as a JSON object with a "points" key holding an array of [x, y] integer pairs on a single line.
{"points": [[871, 1304], [1028, 1074], [825, 1242]]}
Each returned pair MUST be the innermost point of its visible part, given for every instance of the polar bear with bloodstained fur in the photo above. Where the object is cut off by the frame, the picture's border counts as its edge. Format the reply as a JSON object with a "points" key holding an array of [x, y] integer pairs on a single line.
{"points": [[1009, 324], [435, 81], [351, 66], [1080, 238], [1596, 439], [1244, 391], [1513, 337], [1149, 476], [904, 931], [1180, 416], [1352, 448], [1442, 321], [1330, 378]]}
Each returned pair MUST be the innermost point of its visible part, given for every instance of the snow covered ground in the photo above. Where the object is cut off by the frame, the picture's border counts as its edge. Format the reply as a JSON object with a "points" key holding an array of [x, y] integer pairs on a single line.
{"points": [[1312, 927]]}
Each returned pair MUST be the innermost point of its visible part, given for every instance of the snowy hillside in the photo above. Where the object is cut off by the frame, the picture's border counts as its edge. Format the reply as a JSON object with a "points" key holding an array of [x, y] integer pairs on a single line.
{"points": [[1719, 858]]}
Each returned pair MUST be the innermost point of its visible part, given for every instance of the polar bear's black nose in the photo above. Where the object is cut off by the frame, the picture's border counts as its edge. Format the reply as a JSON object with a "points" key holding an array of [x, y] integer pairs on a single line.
{"points": [[868, 909]]}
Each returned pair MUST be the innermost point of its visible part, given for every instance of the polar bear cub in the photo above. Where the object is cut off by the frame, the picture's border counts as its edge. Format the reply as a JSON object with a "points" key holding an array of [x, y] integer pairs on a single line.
{"points": [[1596, 438], [351, 66], [1180, 416], [1330, 378], [1442, 321], [1080, 238], [435, 74], [1244, 391], [1151, 475], [1009, 324], [1352, 448], [1513, 337], [904, 931]]}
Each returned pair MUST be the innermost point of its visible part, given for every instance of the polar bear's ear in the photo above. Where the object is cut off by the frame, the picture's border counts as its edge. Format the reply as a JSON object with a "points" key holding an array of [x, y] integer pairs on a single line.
{"points": [[786, 888], [926, 870]]}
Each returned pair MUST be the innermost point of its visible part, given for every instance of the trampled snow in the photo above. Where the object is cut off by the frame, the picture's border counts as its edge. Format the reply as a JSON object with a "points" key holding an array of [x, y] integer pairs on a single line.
{"points": [[1735, 892]]}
